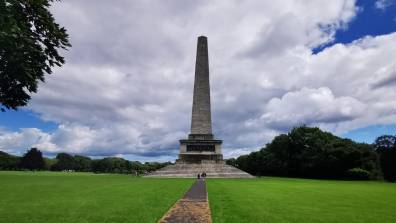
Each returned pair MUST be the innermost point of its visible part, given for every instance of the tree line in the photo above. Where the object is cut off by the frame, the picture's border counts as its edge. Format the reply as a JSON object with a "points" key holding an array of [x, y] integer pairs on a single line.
{"points": [[303, 152], [311, 153], [33, 160]]}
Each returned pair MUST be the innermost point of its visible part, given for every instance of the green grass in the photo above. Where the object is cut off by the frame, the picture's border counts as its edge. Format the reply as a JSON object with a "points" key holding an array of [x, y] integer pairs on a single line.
{"points": [[82, 197], [279, 200]]}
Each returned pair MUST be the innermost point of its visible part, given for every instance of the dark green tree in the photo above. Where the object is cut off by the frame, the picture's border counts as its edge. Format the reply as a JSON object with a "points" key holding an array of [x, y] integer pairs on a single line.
{"points": [[137, 167], [49, 163], [231, 162], [29, 43], [120, 165], [153, 166], [111, 165], [82, 163], [64, 162], [33, 160], [386, 147], [385, 142], [310, 152], [8, 162]]}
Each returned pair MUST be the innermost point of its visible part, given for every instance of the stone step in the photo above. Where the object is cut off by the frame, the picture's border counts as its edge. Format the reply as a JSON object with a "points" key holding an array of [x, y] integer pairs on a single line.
{"points": [[192, 170]]}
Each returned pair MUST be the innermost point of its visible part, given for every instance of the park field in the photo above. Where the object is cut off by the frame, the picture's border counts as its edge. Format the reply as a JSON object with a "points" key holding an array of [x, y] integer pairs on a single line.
{"points": [[84, 197], [41, 197], [281, 200]]}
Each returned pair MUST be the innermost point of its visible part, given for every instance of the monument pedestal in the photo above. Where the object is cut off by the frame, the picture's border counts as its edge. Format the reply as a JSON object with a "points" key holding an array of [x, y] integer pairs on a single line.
{"points": [[200, 147], [200, 153]]}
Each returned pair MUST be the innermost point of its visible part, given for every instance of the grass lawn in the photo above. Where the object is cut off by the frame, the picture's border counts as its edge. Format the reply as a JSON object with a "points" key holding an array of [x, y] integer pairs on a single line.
{"points": [[83, 197], [277, 200]]}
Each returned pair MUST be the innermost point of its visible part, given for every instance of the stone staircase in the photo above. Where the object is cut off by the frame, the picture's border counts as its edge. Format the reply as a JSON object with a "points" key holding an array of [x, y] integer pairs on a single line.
{"points": [[212, 170]]}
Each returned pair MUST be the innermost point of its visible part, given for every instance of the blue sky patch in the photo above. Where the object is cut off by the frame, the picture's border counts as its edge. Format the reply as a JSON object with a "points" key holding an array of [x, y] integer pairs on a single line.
{"points": [[370, 21], [14, 120], [370, 133]]}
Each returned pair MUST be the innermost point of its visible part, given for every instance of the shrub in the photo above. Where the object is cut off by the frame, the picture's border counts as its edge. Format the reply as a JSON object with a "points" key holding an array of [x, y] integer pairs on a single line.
{"points": [[358, 174]]}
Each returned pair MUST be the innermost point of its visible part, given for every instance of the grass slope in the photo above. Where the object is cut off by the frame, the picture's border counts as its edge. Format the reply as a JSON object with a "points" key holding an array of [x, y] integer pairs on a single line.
{"points": [[82, 197], [300, 200]]}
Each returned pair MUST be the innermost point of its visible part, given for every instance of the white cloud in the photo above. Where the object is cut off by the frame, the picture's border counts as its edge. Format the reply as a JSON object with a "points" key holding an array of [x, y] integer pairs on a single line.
{"points": [[115, 140], [19, 142], [383, 4], [126, 87], [310, 106]]}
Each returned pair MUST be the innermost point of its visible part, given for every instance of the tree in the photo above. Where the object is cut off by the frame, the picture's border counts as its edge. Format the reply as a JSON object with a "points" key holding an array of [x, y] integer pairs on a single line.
{"points": [[8, 162], [153, 166], [136, 167], [111, 165], [49, 163], [64, 162], [310, 152], [29, 43], [385, 142], [386, 147], [120, 165], [82, 163], [231, 162], [33, 160]]}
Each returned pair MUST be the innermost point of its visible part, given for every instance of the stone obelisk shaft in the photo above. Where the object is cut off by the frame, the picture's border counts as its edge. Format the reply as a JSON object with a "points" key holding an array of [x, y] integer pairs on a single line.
{"points": [[201, 118]]}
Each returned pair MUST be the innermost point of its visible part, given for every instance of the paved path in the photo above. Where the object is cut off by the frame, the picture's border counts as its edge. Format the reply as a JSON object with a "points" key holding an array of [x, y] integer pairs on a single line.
{"points": [[193, 207]]}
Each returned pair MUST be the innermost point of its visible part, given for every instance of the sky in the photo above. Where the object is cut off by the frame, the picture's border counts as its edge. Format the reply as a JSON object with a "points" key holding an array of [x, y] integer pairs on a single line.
{"points": [[126, 87]]}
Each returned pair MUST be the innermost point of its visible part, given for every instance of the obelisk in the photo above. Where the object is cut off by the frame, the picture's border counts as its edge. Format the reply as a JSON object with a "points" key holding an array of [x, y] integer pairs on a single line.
{"points": [[201, 122], [201, 145]]}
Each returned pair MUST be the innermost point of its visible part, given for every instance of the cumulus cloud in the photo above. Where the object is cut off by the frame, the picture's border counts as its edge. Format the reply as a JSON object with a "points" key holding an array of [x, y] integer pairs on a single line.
{"points": [[18, 142], [310, 106], [126, 87], [77, 139]]}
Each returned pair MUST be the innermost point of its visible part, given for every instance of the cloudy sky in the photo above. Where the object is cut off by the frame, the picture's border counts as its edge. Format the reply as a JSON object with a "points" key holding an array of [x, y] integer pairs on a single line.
{"points": [[126, 87]]}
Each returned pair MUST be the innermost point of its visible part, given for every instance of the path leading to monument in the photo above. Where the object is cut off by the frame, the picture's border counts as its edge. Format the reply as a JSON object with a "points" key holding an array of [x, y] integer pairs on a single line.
{"points": [[193, 207]]}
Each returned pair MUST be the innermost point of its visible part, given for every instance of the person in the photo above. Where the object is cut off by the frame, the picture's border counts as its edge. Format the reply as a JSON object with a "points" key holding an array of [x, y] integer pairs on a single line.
{"points": [[198, 176]]}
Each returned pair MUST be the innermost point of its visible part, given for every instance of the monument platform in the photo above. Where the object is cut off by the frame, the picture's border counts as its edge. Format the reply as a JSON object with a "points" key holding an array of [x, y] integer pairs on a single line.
{"points": [[191, 170]]}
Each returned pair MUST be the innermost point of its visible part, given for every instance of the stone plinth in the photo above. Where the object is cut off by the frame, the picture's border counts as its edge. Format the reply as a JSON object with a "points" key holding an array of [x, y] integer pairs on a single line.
{"points": [[198, 148]]}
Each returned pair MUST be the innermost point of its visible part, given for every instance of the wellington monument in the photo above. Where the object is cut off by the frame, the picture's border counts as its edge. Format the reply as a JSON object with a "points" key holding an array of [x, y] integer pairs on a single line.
{"points": [[200, 145], [200, 152]]}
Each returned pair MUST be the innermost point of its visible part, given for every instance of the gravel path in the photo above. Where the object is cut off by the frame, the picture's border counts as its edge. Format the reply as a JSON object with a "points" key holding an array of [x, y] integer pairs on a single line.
{"points": [[193, 207]]}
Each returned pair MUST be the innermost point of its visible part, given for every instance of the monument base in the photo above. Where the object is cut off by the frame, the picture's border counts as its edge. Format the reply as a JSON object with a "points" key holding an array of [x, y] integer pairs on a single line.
{"points": [[200, 153], [191, 170], [199, 158], [199, 147]]}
